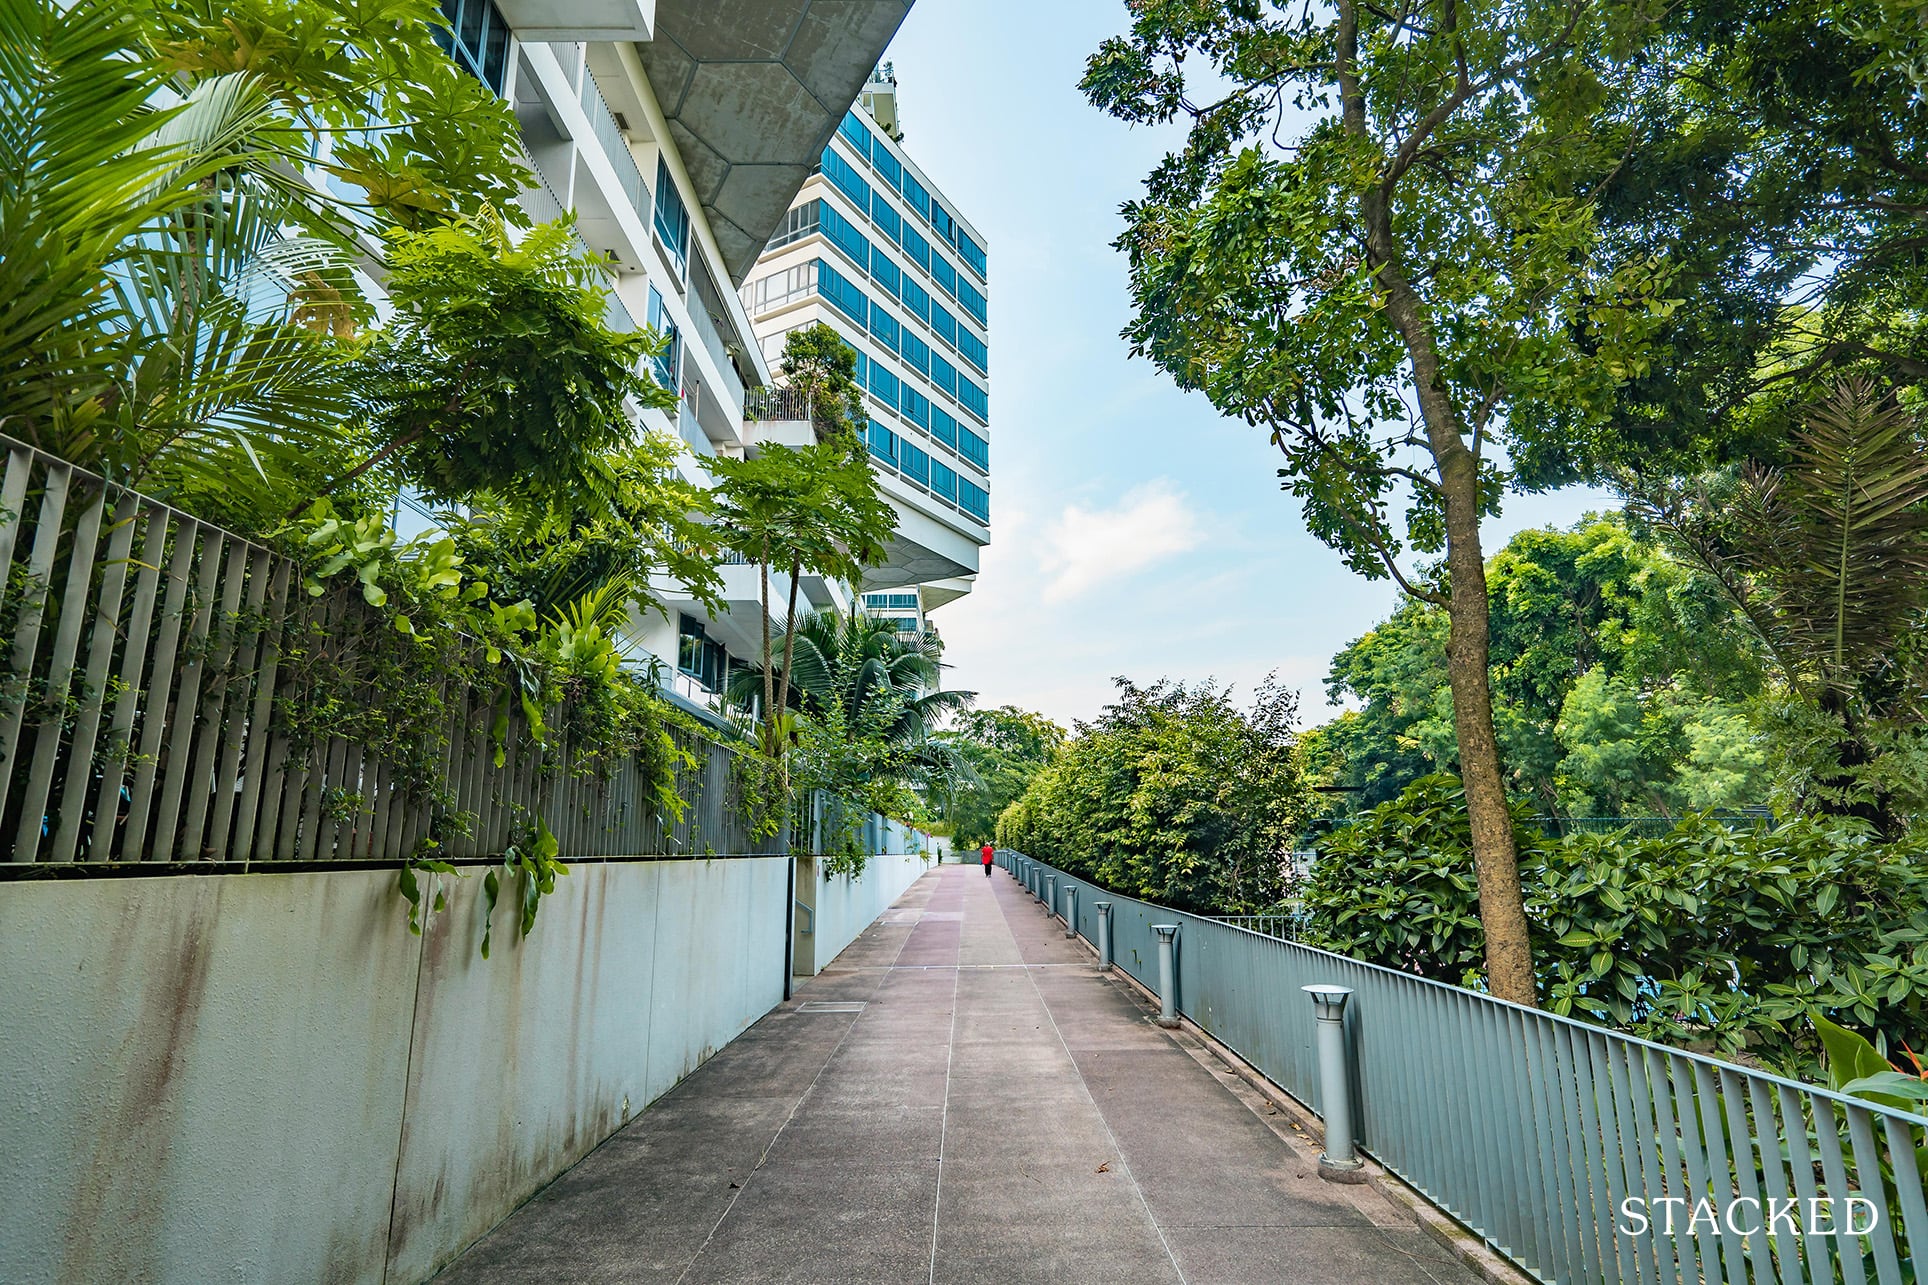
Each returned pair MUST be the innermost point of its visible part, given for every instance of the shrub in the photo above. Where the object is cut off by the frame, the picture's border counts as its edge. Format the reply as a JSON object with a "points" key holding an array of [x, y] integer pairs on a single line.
{"points": [[1704, 936]]}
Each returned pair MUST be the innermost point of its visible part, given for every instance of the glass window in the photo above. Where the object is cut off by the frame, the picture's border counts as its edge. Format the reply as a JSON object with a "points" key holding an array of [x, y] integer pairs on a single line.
{"points": [[844, 177], [973, 300], [767, 294], [943, 224], [842, 294], [916, 248], [915, 407], [916, 353], [672, 218], [699, 655], [883, 443], [843, 234], [886, 166], [883, 385], [887, 220], [974, 500], [917, 300], [943, 481], [972, 253], [916, 465], [973, 350], [944, 274], [943, 427], [884, 273], [974, 400], [883, 327], [943, 324], [863, 366], [916, 197], [891, 601], [666, 364], [943, 374], [797, 224], [477, 38], [974, 448], [853, 132]]}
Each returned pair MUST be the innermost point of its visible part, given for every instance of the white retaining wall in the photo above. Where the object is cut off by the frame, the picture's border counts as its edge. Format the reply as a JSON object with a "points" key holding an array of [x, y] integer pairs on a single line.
{"points": [[841, 907], [265, 1078]]}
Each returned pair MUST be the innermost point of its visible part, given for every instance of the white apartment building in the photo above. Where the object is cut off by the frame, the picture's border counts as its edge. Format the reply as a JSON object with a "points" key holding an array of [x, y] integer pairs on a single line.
{"points": [[871, 248], [679, 132]]}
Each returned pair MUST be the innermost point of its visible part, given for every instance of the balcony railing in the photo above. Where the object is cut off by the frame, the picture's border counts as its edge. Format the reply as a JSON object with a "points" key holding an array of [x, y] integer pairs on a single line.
{"points": [[772, 404], [602, 122]]}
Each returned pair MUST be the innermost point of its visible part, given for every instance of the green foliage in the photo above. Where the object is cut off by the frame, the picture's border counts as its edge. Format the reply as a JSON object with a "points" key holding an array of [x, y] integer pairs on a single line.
{"points": [[999, 751], [1173, 794], [1704, 937], [1623, 684], [818, 363]]}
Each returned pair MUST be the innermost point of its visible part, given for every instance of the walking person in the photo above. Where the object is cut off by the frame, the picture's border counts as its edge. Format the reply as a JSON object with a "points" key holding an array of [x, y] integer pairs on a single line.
{"points": [[987, 853]]}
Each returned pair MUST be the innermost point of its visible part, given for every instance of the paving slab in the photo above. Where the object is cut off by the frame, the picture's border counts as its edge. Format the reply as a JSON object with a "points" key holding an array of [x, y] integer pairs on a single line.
{"points": [[996, 1112]]}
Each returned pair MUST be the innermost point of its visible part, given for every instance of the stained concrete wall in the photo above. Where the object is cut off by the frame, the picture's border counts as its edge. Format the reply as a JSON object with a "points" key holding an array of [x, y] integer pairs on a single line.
{"points": [[843, 907], [266, 1078]]}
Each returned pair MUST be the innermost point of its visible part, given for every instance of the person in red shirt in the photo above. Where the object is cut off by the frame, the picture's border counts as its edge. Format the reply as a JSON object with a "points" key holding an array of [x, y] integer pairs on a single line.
{"points": [[987, 854]]}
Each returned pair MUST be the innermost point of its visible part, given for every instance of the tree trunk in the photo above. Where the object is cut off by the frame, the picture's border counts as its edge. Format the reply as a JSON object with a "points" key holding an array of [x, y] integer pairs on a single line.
{"points": [[769, 681], [1502, 908], [783, 674]]}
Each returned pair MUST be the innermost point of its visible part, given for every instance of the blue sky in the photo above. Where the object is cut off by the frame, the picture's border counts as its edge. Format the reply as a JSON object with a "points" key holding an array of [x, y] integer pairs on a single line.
{"points": [[1133, 530]]}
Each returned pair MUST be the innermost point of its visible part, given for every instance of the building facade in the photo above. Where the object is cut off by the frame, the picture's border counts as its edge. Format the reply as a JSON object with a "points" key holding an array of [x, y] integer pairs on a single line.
{"points": [[678, 133], [872, 248]]}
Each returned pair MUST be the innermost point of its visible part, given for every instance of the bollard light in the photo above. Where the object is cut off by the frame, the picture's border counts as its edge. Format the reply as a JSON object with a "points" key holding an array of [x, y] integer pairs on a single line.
{"points": [[1339, 1163], [1167, 974], [1071, 910], [1104, 935], [1050, 895]]}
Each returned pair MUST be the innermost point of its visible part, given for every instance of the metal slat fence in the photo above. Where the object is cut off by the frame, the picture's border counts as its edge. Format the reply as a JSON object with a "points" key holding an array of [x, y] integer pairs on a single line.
{"points": [[1538, 1131], [139, 698]]}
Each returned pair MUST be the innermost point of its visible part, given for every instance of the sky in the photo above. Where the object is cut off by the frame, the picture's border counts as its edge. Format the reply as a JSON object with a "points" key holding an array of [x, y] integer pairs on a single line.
{"points": [[1133, 531]]}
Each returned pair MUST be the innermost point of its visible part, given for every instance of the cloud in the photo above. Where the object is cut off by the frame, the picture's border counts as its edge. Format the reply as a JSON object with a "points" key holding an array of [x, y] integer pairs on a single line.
{"points": [[1083, 548]]}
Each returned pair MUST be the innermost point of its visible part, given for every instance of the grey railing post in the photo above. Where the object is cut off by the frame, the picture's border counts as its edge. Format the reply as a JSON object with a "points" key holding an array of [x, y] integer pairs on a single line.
{"points": [[1339, 1163], [1167, 974], [1070, 910], [1104, 935], [1050, 895]]}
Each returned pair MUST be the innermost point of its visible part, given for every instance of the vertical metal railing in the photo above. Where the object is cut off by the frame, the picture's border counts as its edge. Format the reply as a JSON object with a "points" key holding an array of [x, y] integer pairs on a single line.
{"points": [[144, 673], [1581, 1154]]}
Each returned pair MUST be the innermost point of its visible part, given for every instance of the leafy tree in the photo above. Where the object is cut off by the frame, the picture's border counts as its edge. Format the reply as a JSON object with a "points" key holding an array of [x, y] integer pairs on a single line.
{"points": [[811, 508], [1621, 685], [1826, 560], [1001, 750], [1371, 246], [1174, 794], [819, 364]]}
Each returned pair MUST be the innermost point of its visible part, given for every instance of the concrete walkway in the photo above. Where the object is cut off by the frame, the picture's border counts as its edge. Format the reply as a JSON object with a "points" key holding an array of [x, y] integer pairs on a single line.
{"points": [[960, 1097]]}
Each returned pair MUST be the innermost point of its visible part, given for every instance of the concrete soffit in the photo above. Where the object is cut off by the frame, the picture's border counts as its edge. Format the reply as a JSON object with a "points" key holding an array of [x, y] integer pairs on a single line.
{"points": [[751, 91]]}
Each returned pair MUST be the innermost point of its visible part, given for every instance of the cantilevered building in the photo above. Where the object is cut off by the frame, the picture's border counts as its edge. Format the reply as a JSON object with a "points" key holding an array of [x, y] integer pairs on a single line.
{"points": [[680, 133], [872, 248]]}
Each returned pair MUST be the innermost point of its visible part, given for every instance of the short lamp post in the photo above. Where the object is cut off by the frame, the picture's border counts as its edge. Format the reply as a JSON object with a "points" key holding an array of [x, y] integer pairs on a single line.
{"points": [[1340, 1162], [1050, 895], [1167, 974], [1070, 909], [1104, 934]]}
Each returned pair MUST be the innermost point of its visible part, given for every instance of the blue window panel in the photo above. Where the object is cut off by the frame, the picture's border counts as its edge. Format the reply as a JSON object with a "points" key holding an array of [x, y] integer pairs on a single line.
{"points": [[943, 324], [943, 481], [944, 274], [944, 375], [883, 443], [917, 300], [972, 254], [884, 273], [943, 427], [855, 134], [974, 400], [883, 327], [974, 351], [916, 407], [883, 385], [886, 166], [888, 221], [672, 218], [943, 224], [845, 178], [843, 294], [974, 500], [666, 363], [974, 448], [916, 465], [843, 234], [916, 197], [916, 353], [973, 300], [863, 366], [916, 248]]}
